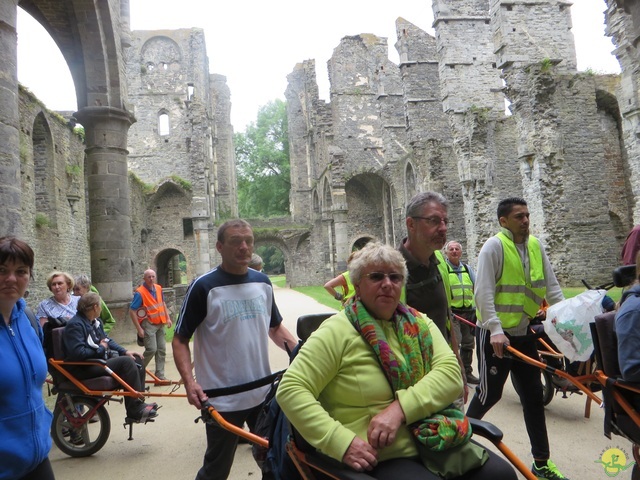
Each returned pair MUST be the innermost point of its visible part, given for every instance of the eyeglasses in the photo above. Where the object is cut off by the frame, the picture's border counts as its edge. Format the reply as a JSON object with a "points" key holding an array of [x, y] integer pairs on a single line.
{"points": [[434, 221], [394, 277]]}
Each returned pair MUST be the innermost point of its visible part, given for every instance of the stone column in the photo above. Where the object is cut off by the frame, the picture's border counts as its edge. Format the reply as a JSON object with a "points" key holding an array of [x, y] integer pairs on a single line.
{"points": [[10, 220], [200, 217], [341, 227], [106, 131]]}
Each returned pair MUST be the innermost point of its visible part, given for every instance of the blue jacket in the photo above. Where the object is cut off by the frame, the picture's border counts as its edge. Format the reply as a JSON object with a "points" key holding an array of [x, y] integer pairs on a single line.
{"points": [[24, 419], [627, 328]]}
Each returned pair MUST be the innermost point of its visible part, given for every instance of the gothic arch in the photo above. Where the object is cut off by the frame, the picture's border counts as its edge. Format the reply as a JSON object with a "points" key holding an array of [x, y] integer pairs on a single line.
{"points": [[409, 181], [274, 239], [326, 196], [371, 202], [94, 53], [44, 174], [160, 54]]}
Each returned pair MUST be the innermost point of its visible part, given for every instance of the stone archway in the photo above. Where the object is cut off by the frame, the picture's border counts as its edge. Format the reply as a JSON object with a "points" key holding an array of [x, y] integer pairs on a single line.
{"points": [[168, 268], [93, 38]]}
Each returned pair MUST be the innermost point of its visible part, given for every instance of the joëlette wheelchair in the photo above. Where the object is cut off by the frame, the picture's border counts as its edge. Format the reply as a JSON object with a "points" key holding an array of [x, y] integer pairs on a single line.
{"points": [[312, 465], [620, 397], [585, 379], [81, 424]]}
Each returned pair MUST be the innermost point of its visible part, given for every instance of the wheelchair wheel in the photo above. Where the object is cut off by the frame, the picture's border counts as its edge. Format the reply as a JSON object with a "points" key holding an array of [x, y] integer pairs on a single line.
{"points": [[548, 390], [74, 432]]}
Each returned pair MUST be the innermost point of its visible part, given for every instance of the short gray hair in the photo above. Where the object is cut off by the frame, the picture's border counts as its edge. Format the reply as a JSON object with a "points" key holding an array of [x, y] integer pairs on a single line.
{"points": [[83, 280], [374, 253], [256, 261], [419, 200]]}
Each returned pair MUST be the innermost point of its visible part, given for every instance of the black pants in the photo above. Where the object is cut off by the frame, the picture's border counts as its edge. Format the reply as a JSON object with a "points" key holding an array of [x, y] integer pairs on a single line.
{"points": [[221, 444], [41, 472], [526, 381], [408, 469], [131, 371]]}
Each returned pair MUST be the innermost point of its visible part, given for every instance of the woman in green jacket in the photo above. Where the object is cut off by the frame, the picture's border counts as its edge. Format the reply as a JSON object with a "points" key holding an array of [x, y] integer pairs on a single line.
{"points": [[373, 387]]}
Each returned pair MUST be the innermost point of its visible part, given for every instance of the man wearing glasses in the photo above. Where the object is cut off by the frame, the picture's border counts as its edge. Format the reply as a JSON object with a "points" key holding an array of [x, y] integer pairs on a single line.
{"points": [[426, 291]]}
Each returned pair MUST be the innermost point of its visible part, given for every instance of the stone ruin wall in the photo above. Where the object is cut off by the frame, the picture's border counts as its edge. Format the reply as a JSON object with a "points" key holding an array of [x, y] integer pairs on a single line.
{"points": [[190, 166], [436, 121], [187, 174], [53, 208]]}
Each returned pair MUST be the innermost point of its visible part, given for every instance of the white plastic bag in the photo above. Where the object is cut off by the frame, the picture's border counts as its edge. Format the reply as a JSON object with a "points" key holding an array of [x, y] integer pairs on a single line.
{"points": [[567, 324]]}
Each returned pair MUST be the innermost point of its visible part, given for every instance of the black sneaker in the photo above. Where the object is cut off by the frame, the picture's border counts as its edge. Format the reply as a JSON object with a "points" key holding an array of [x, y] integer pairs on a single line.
{"points": [[548, 472], [143, 413], [471, 378]]}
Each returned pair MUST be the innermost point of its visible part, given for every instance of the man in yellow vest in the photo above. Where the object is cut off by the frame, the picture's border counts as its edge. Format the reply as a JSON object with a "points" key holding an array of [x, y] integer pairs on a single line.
{"points": [[149, 315], [461, 281], [513, 277]]}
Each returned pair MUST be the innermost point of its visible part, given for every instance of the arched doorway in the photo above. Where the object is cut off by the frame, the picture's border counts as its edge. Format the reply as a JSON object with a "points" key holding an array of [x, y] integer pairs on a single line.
{"points": [[171, 267]]}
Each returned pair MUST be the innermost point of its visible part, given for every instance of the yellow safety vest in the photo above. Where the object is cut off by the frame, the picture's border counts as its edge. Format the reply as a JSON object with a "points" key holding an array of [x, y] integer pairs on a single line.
{"points": [[349, 290], [516, 295], [461, 290]]}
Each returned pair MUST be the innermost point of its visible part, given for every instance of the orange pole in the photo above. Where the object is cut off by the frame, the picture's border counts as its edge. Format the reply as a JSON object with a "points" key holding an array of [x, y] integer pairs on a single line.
{"points": [[263, 442], [560, 373]]}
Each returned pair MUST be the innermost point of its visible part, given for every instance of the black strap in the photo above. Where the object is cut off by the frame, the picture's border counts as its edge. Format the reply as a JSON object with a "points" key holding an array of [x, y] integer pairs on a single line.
{"points": [[34, 322], [245, 387]]}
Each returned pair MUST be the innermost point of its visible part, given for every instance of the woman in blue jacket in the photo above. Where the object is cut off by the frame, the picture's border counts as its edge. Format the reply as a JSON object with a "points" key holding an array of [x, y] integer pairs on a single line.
{"points": [[24, 419]]}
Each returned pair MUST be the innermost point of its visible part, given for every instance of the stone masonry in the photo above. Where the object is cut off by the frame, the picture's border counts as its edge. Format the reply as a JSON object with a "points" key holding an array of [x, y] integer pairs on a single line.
{"points": [[158, 171]]}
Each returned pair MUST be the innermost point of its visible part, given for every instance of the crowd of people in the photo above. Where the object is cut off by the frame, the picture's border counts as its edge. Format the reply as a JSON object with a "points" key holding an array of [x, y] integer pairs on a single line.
{"points": [[380, 386]]}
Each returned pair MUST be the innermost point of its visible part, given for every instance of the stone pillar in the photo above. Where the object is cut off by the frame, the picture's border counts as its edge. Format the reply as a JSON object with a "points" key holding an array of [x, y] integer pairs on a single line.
{"points": [[10, 220], [200, 218], [106, 131], [341, 227]]}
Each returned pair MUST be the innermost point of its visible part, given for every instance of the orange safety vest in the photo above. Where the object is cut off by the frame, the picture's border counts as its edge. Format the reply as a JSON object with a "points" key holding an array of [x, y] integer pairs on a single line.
{"points": [[156, 311]]}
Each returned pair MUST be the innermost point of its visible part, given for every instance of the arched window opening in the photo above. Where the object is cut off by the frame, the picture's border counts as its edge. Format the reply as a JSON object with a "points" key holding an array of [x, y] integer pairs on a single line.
{"points": [[164, 126]]}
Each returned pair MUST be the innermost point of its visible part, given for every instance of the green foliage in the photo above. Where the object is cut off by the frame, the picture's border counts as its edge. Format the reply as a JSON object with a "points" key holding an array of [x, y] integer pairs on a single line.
{"points": [[79, 131], [262, 155], [273, 259], [73, 170], [185, 184], [42, 220], [146, 188], [545, 65]]}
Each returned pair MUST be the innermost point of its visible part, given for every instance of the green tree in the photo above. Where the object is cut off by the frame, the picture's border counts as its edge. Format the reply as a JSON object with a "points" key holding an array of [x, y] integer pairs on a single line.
{"points": [[262, 155], [273, 259]]}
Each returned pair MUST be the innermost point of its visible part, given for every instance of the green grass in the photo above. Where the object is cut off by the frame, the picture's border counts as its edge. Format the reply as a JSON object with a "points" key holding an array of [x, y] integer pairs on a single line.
{"points": [[320, 295], [614, 293]]}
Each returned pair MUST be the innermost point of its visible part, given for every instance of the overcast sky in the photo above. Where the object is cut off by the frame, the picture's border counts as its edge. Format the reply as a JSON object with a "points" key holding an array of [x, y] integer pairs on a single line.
{"points": [[257, 43]]}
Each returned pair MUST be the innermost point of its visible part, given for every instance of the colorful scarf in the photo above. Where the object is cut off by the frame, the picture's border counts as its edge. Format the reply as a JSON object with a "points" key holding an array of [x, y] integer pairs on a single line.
{"points": [[443, 430]]}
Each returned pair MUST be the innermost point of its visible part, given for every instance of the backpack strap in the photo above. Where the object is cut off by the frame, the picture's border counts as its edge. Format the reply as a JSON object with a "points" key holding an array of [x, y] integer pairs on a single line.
{"points": [[34, 322]]}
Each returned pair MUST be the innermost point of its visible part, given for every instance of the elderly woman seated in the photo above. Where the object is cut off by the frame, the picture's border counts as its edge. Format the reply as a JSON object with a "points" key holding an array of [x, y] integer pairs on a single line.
{"points": [[84, 340], [373, 387]]}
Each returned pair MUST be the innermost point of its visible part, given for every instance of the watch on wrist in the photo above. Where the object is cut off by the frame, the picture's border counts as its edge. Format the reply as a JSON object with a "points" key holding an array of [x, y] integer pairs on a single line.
{"points": [[338, 296]]}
